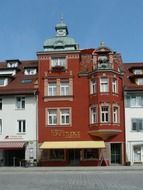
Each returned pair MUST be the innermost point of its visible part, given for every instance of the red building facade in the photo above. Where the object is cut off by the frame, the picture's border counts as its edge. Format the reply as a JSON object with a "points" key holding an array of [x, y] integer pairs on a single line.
{"points": [[81, 113]]}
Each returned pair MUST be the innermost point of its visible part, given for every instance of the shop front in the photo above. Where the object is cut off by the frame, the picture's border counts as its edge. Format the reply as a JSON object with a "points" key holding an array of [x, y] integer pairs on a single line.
{"points": [[72, 153], [11, 153]]}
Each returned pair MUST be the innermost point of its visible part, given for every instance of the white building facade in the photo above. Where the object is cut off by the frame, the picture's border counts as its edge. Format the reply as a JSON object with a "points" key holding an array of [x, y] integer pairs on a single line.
{"points": [[134, 114], [18, 117]]}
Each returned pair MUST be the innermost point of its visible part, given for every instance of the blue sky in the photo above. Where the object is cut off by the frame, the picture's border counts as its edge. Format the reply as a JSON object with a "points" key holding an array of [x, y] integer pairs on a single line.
{"points": [[26, 24]]}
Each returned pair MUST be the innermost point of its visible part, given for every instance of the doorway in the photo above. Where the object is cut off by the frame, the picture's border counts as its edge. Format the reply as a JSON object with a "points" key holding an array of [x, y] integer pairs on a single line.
{"points": [[116, 153], [137, 154], [74, 157]]}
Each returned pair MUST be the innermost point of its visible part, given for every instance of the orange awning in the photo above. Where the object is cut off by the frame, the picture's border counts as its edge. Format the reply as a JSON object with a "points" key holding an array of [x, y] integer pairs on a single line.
{"points": [[72, 144]]}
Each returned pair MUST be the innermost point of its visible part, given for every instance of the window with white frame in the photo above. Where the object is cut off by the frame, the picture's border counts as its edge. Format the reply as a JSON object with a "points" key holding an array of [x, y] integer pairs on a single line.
{"points": [[137, 124], [104, 86], [139, 81], [21, 126], [58, 61], [3, 81], [59, 88], [59, 116], [134, 101], [64, 88], [64, 117], [138, 71], [30, 71], [12, 64], [115, 114], [0, 103], [104, 114], [92, 86], [52, 89], [93, 115], [52, 117], [0, 126], [114, 86], [20, 102]]}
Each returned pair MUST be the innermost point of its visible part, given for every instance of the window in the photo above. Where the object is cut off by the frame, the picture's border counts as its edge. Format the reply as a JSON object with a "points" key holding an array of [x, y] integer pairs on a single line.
{"points": [[64, 117], [104, 114], [52, 117], [30, 71], [0, 103], [59, 61], [56, 154], [92, 86], [139, 81], [134, 101], [59, 88], [64, 88], [12, 64], [26, 81], [90, 154], [0, 126], [138, 71], [3, 82], [93, 115], [52, 89], [104, 85], [137, 124], [59, 116], [20, 102], [115, 114], [21, 126], [114, 86]]}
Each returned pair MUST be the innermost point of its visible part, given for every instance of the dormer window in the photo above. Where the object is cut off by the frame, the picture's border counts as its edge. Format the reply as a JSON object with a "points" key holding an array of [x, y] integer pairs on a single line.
{"points": [[30, 71], [138, 71], [3, 82], [13, 63]]}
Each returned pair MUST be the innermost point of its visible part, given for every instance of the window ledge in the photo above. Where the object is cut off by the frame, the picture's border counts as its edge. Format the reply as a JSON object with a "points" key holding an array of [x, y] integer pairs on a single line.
{"points": [[58, 98]]}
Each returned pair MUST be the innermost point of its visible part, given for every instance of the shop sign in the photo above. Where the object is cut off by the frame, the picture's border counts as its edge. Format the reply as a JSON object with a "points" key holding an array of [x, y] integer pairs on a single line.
{"points": [[65, 134]]}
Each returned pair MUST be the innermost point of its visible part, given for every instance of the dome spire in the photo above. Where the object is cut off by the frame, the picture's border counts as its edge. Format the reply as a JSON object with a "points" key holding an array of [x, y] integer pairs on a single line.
{"points": [[61, 28]]}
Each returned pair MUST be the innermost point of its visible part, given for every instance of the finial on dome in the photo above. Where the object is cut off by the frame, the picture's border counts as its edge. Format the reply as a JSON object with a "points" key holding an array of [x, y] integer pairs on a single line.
{"points": [[102, 44], [62, 18]]}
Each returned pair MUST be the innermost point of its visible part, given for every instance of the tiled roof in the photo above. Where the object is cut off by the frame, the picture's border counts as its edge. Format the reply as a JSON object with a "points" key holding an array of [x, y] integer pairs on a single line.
{"points": [[129, 83], [20, 83]]}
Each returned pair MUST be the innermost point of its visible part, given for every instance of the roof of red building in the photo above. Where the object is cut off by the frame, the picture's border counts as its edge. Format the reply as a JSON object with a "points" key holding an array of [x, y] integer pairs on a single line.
{"points": [[129, 76], [18, 83]]}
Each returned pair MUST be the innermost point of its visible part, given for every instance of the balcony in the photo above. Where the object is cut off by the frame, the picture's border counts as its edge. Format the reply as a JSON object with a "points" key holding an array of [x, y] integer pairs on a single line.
{"points": [[58, 68]]}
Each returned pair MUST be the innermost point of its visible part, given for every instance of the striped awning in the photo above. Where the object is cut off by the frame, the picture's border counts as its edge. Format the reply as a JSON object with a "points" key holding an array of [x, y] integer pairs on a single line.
{"points": [[72, 144], [12, 145]]}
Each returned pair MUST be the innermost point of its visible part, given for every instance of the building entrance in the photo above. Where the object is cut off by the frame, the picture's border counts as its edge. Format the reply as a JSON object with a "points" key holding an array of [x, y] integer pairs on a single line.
{"points": [[116, 153], [13, 157], [74, 157]]}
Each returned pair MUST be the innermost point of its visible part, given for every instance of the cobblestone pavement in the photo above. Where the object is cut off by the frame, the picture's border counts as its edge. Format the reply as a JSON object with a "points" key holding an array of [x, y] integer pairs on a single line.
{"points": [[71, 178]]}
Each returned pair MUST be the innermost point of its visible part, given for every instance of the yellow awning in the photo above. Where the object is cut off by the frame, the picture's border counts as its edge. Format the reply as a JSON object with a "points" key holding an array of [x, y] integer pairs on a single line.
{"points": [[72, 144]]}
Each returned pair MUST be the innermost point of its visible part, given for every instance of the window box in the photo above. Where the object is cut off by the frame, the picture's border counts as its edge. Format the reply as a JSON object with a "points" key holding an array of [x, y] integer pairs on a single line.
{"points": [[58, 68]]}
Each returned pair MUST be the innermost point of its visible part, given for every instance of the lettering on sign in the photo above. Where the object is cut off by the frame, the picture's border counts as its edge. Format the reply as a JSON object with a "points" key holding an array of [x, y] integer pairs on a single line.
{"points": [[65, 134]]}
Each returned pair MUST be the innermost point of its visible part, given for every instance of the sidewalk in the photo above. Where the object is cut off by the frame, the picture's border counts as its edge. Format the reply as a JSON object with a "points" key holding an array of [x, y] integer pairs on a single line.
{"points": [[75, 168]]}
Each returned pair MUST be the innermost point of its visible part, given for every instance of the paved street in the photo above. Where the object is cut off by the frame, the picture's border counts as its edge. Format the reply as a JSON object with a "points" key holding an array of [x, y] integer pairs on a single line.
{"points": [[71, 178]]}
